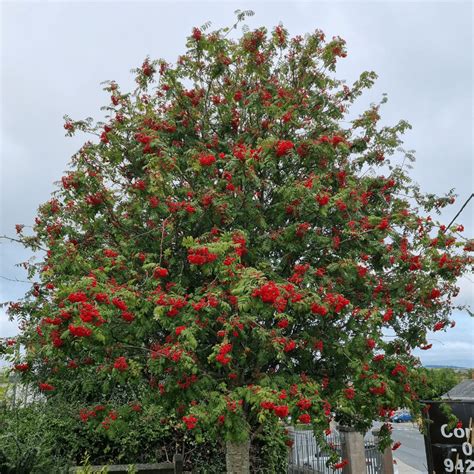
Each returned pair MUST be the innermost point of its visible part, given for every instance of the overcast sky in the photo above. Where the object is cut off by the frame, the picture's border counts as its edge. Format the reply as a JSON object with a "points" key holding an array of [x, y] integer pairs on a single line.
{"points": [[55, 54]]}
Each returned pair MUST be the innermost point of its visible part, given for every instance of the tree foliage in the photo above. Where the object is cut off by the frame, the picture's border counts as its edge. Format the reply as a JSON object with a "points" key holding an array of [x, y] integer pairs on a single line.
{"points": [[436, 382], [234, 248]]}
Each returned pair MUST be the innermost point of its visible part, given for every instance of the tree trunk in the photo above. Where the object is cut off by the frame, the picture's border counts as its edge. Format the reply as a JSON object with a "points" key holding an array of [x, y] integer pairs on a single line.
{"points": [[237, 457]]}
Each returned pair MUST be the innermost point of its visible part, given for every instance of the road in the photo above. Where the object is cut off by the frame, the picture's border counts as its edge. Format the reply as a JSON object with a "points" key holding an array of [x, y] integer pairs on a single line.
{"points": [[412, 449]]}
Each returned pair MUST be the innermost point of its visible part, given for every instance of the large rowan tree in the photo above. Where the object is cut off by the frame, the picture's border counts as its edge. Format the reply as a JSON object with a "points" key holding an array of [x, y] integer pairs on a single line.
{"points": [[227, 249]]}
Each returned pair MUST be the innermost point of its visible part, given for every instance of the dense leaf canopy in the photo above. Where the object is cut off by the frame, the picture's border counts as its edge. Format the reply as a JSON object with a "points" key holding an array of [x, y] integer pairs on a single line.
{"points": [[237, 249]]}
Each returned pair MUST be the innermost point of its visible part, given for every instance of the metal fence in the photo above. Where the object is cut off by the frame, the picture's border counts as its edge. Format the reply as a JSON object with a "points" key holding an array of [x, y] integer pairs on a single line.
{"points": [[373, 457], [308, 457]]}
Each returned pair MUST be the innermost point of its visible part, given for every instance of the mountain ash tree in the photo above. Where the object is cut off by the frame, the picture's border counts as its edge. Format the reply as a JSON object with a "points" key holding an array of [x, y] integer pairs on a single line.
{"points": [[232, 246]]}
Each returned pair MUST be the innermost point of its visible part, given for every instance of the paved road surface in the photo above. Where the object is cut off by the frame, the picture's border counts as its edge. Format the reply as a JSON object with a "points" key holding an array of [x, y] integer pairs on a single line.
{"points": [[401, 468]]}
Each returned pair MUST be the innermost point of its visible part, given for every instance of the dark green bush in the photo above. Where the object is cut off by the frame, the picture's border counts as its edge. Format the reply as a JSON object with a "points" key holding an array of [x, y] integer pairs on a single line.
{"points": [[46, 437], [49, 437]]}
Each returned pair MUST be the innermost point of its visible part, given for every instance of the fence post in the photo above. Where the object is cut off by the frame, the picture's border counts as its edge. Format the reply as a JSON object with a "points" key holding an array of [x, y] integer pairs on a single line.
{"points": [[353, 450], [178, 463], [386, 457], [291, 449]]}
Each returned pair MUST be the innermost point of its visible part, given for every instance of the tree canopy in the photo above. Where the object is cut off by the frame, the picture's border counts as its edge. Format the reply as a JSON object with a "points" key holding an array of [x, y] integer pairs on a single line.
{"points": [[233, 246]]}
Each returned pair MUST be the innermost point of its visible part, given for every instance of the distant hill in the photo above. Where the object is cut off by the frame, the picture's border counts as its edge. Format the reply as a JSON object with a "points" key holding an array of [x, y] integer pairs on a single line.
{"points": [[436, 366]]}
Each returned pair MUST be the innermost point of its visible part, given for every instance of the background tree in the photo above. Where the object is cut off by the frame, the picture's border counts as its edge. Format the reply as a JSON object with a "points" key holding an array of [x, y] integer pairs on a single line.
{"points": [[227, 250], [440, 380]]}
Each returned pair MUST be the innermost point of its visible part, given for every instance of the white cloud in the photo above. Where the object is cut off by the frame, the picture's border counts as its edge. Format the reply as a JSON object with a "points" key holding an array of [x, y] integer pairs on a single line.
{"points": [[456, 353]]}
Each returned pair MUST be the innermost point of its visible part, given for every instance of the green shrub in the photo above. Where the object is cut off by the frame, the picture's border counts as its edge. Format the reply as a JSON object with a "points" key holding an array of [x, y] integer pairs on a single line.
{"points": [[46, 437]]}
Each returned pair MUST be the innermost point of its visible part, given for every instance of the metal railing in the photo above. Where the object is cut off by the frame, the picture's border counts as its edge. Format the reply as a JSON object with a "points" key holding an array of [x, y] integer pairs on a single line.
{"points": [[373, 457], [308, 457]]}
